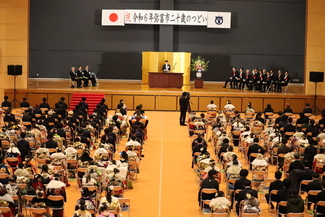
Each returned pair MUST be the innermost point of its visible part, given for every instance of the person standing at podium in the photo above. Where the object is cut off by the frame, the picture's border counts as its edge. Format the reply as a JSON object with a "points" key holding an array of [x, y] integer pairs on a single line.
{"points": [[166, 67]]}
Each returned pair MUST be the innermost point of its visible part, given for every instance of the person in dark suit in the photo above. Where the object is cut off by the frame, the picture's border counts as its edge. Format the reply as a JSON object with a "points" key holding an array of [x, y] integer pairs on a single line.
{"points": [[283, 149], [239, 184], [278, 119], [288, 109], [9, 117], [276, 185], [305, 174], [285, 81], [283, 194], [320, 197], [44, 104], [310, 152], [23, 146], [289, 127], [183, 105], [209, 182], [74, 77], [314, 185], [51, 143], [86, 76], [166, 67], [278, 81], [6, 103], [268, 109], [297, 164], [24, 103], [259, 117], [307, 109], [255, 148], [224, 147], [242, 195], [241, 79], [232, 79], [80, 76]]}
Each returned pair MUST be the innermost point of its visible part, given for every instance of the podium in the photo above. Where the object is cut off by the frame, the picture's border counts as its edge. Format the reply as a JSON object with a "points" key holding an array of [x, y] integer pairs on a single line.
{"points": [[165, 80], [198, 83]]}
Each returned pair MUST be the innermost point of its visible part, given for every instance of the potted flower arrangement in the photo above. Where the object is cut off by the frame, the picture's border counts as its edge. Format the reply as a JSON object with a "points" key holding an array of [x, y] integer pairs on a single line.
{"points": [[199, 65]]}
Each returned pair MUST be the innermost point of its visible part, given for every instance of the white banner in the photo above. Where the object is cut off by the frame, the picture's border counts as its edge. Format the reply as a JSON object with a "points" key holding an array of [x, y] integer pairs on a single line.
{"points": [[166, 17], [219, 20], [161, 17], [113, 17]]}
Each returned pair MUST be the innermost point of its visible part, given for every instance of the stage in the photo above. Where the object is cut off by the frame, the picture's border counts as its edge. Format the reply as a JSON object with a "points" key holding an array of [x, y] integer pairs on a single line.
{"points": [[165, 99]]}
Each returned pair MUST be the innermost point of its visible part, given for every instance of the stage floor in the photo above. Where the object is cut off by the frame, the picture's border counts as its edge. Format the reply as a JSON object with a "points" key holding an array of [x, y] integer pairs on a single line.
{"points": [[135, 87], [165, 99]]}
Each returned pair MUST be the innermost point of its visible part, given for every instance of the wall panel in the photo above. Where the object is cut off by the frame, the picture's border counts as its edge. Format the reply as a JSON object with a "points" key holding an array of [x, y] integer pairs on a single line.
{"points": [[166, 103], [204, 101], [35, 98], [257, 104], [277, 104], [297, 105], [108, 101], [53, 98], [235, 101], [128, 100], [148, 102]]}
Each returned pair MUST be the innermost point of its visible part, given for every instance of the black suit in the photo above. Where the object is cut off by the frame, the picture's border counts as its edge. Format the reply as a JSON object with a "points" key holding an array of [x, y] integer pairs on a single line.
{"points": [[183, 105], [80, 77], [297, 164], [74, 77], [24, 104], [289, 128], [255, 148], [23, 147], [242, 196], [314, 185], [86, 77], [166, 68], [6, 104], [51, 144], [209, 182], [309, 154], [307, 110], [276, 185], [283, 195], [306, 174], [239, 184]]}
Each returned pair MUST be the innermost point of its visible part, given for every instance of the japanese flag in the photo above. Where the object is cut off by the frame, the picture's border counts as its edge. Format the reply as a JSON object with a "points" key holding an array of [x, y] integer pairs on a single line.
{"points": [[112, 17]]}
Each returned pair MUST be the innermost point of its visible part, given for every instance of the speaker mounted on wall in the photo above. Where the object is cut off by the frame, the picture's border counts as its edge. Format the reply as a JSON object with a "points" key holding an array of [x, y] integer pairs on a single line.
{"points": [[316, 76], [14, 70]]}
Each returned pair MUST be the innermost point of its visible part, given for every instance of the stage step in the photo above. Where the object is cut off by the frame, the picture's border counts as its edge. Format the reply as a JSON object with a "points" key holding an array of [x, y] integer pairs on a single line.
{"points": [[92, 99]]}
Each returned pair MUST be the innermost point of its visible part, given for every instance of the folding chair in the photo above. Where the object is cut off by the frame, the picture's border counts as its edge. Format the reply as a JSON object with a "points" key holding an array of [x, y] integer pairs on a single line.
{"points": [[272, 193], [39, 211], [125, 205], [205, 211], [56, 198], [206, 191], [249, 215], [290, 214], [319, 208], [304, 182], [225, 214], [118, 189], [283, 204], [312, 193]]}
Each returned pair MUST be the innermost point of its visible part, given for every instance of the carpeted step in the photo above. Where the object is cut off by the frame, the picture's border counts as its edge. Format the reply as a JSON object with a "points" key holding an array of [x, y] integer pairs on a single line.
{"points": [[92, 99]]}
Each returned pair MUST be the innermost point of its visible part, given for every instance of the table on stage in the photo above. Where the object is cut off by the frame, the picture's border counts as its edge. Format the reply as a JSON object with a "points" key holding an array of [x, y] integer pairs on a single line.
{"points": [[166, 80]]}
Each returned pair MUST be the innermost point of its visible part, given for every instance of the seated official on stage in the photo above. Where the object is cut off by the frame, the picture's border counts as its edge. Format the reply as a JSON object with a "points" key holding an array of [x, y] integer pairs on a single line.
{"points": [[232, 79], [89, 76], [74, 77], [166, 67]]}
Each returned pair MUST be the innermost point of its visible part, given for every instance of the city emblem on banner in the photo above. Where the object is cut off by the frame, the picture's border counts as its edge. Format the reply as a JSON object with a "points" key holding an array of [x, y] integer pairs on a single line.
{"points": [[218, 20]]}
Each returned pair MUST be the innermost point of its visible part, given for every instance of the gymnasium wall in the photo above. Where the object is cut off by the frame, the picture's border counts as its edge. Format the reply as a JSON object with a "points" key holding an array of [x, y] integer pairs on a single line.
{"points": [[265, 34]]}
